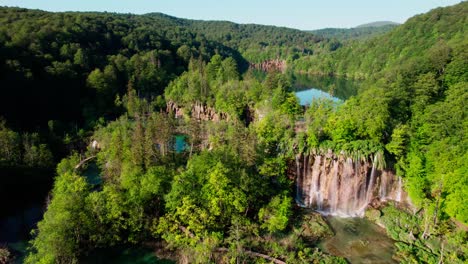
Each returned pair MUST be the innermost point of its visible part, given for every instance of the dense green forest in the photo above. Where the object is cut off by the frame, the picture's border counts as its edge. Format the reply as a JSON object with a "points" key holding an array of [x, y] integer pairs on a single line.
{"points": [[105, 97], [256, 43]]}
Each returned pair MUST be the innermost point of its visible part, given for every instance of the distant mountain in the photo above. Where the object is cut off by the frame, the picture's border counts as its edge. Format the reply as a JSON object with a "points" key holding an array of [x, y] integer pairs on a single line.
{"points": [[364, 31], [378, 24]]}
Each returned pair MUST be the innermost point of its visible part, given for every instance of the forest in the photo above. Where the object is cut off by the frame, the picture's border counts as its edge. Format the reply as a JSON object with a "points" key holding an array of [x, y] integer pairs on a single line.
{"points": [[156, 132]]}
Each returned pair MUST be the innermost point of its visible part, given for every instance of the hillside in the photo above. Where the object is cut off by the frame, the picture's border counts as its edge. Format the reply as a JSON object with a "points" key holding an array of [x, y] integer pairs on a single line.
{"points": [[43, 52], [255, 42], [421, 39]]}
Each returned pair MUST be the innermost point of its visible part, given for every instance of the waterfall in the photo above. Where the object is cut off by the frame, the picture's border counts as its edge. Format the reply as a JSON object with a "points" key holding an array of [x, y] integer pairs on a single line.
{"points": [[314, 196], [399, 190], [338, 185], [370, 187], [383, 186], [334, 185]]}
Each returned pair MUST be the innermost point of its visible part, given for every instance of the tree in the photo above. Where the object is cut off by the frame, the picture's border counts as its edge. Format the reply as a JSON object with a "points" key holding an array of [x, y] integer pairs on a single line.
{"points": [[9, 146], [66, 223], [275, 216]]}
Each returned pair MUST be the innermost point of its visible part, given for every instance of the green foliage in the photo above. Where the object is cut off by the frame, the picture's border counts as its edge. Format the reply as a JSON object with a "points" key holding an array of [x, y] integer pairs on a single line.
{"points": [[204, 197], [9, 146], [276, 214], [24, 150], [420, 240], [66, 223]]}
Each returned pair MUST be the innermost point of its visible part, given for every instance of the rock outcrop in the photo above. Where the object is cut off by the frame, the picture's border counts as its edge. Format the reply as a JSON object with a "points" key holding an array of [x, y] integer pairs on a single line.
{"points": [[270, 65], [197, 111]]}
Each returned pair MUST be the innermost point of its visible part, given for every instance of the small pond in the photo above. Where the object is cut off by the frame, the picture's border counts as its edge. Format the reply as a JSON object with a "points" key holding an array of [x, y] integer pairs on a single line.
{"points": [[359, 241], [308, 88], [180, 143]]}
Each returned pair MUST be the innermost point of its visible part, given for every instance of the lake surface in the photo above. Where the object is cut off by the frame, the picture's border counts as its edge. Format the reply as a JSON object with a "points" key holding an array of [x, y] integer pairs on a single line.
{"points": [[359, 241], [308, 88]]}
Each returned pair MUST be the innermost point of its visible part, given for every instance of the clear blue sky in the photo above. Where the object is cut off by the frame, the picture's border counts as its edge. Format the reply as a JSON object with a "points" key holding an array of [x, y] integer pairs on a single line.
{"points": [[301, 14]]}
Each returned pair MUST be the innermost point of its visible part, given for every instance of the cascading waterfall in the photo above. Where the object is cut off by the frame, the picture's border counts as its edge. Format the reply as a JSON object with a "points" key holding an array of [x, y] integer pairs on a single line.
{"points": [[371, 181], [399, 190], [338, 185]]}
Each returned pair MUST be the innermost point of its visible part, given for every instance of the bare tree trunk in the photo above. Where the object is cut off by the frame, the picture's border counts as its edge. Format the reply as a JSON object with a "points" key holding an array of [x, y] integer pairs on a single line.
{"points": [[441, 260]]}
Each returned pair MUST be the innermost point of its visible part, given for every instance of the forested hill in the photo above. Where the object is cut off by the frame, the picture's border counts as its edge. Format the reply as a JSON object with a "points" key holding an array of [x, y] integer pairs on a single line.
{"points": [[71, 66], [423, 39], [55, 63], [256, 42]]}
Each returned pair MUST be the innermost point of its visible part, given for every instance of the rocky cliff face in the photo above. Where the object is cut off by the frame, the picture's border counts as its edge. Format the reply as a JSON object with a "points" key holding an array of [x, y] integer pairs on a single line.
{"points": [[270, 65], [198, 111], [337, 185]]}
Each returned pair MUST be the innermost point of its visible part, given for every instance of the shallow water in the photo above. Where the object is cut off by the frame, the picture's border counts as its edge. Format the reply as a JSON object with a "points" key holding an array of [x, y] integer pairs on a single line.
{"points": [[306, 96], [359, 241]]}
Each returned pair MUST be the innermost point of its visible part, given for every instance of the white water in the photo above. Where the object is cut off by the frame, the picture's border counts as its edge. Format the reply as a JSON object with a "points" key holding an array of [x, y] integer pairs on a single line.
{"points": [[335, 185]]}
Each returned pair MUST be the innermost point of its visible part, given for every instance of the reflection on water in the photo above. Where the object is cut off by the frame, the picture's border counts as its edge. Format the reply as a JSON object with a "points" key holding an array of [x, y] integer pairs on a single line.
{"points": [[359, 241], [334, 86]]}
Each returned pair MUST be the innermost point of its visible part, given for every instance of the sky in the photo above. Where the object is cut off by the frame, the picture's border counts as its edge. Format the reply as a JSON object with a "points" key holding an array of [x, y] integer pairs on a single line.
{"points": [[300, 14]]}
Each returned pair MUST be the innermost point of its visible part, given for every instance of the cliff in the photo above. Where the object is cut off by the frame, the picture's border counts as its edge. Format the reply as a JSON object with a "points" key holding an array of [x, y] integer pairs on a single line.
{"points": [[270, 65], [197, 111]]}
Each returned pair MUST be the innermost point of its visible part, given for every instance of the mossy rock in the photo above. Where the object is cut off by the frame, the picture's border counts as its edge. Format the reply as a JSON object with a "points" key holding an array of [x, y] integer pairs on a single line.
{"points": [[373, 214], [313, 227]]}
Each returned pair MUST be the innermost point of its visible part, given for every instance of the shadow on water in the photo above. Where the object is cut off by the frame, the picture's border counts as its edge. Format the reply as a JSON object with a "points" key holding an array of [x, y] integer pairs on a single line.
{"points": [[359, 241], [336, 87], [23, 192]]}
